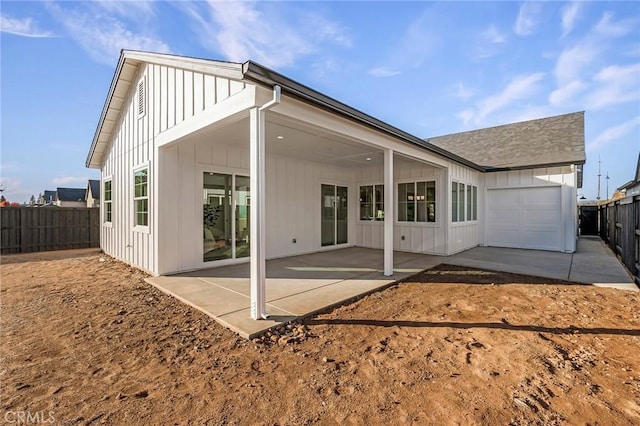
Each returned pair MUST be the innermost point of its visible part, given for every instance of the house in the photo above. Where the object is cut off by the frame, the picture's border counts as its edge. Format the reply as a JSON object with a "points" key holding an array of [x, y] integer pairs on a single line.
{"points": [[206, 163], [92, 193], [46, 199], [70, 197], [632, 187]]}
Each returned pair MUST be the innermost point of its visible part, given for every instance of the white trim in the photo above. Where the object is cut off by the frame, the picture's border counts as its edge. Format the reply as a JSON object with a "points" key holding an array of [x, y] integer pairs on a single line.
{"points": [[103, 202], [415, 222], [233, 172], [358, 215], [389, 212], [146, 229], [215, 116], [333, 183]]}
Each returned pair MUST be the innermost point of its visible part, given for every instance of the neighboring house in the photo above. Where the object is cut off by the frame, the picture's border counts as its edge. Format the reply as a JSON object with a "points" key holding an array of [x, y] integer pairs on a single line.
{"points": [[632, 187], [46, 199], [70, 197], [93, 193], [206, 163]]}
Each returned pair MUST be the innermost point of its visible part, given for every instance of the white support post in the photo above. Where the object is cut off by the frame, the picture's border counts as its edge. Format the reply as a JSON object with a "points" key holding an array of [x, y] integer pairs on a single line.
{"points": [[388, 212], [257, 214]]}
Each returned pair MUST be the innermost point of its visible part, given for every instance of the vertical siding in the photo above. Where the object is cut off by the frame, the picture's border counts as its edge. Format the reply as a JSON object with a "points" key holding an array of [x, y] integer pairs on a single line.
{"points": [[464, 235], [551, 176], [418, 237], [172, 96]]}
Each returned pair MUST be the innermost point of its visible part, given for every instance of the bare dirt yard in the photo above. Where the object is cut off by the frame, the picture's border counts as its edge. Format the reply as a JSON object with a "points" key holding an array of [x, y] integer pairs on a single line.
{"points": [[86, 341]]}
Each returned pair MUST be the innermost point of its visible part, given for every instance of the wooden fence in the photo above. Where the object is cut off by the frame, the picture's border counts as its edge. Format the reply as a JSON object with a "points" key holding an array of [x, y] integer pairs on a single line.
{"points": [[620, 229], [31, 229]]}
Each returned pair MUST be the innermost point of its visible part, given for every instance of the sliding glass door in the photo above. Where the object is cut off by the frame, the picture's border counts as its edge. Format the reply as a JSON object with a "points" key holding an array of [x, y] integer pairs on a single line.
{"points": [[225, 216], [333, 215]]}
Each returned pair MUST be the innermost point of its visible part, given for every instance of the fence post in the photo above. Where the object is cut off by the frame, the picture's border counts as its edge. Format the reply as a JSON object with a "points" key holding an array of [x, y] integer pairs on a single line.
{"points": [[23, 229]]}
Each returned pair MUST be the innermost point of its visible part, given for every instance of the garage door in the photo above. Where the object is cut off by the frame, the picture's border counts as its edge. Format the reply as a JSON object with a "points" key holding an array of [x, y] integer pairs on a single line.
{"points": [[525, 218]]}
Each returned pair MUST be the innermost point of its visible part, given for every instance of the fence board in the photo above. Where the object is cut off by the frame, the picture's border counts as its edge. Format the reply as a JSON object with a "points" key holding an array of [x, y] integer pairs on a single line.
{"points": [[31, 229], [620, 229]]}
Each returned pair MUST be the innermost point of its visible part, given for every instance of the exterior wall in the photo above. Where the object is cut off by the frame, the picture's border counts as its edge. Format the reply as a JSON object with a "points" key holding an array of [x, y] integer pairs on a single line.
{"points": [[172, 96], [468, 234], [563, 177], [292, 201], [92, 202], [71, 203], [418, 237]]}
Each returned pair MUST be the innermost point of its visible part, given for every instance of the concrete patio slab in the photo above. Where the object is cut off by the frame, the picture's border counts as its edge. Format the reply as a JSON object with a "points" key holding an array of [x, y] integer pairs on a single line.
{"points": [[302, 285]]}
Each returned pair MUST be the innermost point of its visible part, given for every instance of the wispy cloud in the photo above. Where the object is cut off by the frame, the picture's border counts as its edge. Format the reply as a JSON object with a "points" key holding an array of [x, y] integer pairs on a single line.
{"points": [[617, 85], [610, 28], [493, 35], [527, 19], [268, 35], [66, 180], [489, 43], [572, 61], [567, 93], [25, 27], [102, 36], [129, 8], [570, 14], [419, 41], [383, 72], [614, 133], [520, 87], [462, 92]]}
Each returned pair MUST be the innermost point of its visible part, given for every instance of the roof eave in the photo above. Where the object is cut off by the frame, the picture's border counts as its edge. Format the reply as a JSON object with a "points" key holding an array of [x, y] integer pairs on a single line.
{"points": [[490, 169], [116, 76], [258, 74]]}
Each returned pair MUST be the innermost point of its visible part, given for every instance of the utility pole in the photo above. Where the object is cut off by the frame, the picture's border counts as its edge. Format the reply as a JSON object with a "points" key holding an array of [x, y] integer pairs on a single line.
{"points": [[607, 178], [598, 196]]}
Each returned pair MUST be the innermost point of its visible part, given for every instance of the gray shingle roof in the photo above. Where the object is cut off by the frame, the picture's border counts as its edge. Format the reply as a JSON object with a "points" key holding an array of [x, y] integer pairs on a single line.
{"points": [[71, 194], [94, 185], [543, 142], [49, 196]]}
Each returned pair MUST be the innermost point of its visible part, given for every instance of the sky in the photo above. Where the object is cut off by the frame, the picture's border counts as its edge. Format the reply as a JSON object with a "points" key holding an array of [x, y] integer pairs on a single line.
{"points": [[429, 68]]}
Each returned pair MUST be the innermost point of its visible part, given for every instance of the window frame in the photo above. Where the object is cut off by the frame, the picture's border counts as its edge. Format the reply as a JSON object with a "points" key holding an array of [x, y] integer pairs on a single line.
{"points": [[373, 204], [416, 202], [135, 198], [107, 204], [464, 208]]}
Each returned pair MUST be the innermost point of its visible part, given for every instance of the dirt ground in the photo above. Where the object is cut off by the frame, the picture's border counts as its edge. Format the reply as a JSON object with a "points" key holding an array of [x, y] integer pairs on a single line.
{"points": [[86, 341]]}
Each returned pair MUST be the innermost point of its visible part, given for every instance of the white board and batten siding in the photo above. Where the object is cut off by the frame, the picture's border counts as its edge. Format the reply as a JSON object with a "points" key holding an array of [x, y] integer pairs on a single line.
{"points": [[463, 235], [292, 200], [419, 237], [533, 209], [170, 97]]}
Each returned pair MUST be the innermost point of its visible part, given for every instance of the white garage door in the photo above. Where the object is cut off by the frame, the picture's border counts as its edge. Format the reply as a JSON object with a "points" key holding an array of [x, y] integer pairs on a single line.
{"points": [[525, 218]]}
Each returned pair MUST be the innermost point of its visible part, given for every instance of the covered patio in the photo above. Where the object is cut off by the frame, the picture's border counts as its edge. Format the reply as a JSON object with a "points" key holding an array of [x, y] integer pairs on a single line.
{"points": [[300, 286], [296, 286]]}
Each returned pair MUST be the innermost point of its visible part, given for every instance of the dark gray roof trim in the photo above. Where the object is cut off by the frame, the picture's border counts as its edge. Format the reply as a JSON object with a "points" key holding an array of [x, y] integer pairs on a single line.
{"points": [[265, 76]]}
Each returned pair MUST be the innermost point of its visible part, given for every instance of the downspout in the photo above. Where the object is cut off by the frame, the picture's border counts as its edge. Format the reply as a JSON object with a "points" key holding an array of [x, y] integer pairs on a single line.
{"points": [[258, 177]]}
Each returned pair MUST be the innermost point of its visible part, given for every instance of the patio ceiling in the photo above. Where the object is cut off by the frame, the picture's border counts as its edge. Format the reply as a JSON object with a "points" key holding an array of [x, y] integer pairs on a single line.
{"points": [[287, 137]]}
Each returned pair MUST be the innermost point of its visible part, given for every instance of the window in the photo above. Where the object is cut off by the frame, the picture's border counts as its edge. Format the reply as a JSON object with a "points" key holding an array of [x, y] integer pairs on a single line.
{"points": [[107, 201], [464, 202], [334, 215], [417, 202], [141, 197], [454, 201], [372, 202]]}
